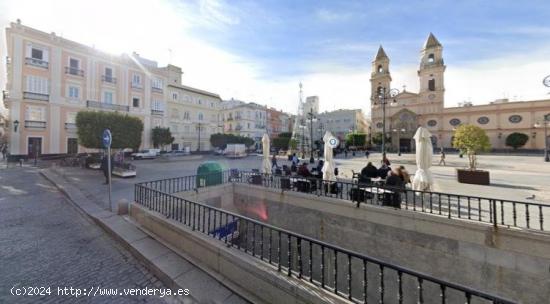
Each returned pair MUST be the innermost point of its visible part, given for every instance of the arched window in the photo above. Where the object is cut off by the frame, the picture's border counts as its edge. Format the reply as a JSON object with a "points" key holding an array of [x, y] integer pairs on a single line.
{"points": [[431, 58], [201, 116], [380, 69], [431, 84], [379, 90]]}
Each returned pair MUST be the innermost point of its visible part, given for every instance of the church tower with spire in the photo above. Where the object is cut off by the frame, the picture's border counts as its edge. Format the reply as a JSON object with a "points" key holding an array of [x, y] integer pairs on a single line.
{"points": [[380, 76], [431, 72]]}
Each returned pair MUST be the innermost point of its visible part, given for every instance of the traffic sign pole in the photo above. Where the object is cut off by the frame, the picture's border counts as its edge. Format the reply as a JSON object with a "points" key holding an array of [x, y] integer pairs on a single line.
{"points": [[107, 140]]}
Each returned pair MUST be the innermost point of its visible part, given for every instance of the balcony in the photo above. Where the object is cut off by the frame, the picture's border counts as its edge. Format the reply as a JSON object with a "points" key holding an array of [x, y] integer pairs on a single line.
{"points": [[136, 85], [229, 118], [36, 96], [70, 126], [106, 106], [238, 117], [157, 112], [238, 128], [37, 62], [74, 71], [34, 124], [108, 79], [156, 90]]}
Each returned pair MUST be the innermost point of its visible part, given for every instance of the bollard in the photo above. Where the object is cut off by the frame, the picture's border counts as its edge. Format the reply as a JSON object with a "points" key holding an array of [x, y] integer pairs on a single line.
{"points": [[20, 162], [123, 206]]}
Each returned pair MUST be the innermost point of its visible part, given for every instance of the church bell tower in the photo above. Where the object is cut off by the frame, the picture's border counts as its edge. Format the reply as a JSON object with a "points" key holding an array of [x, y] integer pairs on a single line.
{"points": [[431, 72], [380, 76]]}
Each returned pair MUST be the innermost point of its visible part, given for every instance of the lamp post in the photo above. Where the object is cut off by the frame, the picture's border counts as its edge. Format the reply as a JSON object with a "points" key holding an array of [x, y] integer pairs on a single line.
{"points": [[15, 125], [199, 142], [303, 127], [399, 130], [545, 122], [320, 129], [311, 118], [384, 97]]}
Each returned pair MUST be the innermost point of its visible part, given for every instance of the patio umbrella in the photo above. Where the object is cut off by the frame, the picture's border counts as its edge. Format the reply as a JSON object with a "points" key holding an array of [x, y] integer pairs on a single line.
{"points": [[266, 163], [328, 166], [423, 177]]}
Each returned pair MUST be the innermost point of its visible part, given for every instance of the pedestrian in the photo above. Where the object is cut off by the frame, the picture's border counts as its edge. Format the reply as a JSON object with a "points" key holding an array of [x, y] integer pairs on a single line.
{"points": [[4, 151], [345, 153], [442, 158], [105, 167], [295, 160], [274, 161], [386, 161], [367, 153]]}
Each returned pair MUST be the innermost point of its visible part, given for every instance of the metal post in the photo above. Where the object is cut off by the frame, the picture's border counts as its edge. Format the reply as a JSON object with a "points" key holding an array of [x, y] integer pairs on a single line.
{"points": [[546, 121], [311, 159], [199, 142], [383, 122], [109, 174], [399, 142]]}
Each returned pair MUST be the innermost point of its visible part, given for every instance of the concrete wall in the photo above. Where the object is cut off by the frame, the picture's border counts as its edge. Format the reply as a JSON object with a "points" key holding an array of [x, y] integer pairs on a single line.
{"points": [[512, 263], [253, 279]]}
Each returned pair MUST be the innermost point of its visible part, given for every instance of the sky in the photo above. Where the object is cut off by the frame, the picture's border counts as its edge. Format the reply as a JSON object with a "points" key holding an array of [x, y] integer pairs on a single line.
{"points": [[261, 50]]}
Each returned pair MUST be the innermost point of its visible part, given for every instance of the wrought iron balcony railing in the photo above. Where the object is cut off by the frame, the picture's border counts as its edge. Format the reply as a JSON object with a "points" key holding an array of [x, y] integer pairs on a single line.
{"points": [[34, 124], [107, 106], [37, 62], [157, 112], [74, 71], [136, 85], [70, 126], [108, 79], [36, 96], [156, 90]]}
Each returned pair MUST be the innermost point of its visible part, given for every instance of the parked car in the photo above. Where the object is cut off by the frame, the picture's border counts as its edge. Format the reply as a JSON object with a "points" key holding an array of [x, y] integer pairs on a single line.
{"points": [[177, 153], [218, 151], [147, 153]]}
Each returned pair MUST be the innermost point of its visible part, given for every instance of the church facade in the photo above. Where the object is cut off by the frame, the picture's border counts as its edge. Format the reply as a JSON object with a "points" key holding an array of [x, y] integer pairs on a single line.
{"points": [[406, 111]]}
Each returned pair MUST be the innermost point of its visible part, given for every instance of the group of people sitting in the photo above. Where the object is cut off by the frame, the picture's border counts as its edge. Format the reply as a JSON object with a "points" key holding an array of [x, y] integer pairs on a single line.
{"points": [[397, 177], [300, 169]]}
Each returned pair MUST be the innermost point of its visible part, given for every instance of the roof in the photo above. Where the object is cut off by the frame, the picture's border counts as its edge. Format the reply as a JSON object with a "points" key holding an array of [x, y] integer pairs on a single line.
{"points": [[381, 54], [432, 42], [194, 90]]}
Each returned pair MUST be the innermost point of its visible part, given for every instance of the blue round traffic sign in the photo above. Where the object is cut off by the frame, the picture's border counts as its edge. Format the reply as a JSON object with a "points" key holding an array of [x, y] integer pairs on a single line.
{"points": [[106, 138], [333, 142]]}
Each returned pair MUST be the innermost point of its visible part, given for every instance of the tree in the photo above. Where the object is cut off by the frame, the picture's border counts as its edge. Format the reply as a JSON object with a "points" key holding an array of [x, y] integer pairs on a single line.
{"points": [[471, 140], [377, 138], [293, 144], [516, 140], [220, 141], [282, 141], [161, 137], [356, 139], [126, 130]]}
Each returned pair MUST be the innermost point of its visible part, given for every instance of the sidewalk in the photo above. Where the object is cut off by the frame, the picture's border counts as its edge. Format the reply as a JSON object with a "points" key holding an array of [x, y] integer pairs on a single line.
{"points": [[171, 268]]}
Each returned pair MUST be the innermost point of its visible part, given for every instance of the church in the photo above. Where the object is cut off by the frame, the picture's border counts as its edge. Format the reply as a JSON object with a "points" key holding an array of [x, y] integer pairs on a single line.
{"points": [[405, 111]]}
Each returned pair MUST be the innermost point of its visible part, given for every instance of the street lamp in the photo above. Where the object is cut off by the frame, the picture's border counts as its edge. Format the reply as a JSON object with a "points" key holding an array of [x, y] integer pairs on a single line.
{"points": [[399, 139], [15, 125], [385, 97], [311, 118], [303, 127], [545, 122], [199, 142]]}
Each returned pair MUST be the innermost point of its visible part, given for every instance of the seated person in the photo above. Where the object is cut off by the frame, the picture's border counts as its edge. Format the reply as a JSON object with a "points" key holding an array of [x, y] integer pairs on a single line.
{"points": [[383, 171], [395, 179], [395, 182], [303, 170], [369, 171], [405, 175], [286, 170], [293, 167]]}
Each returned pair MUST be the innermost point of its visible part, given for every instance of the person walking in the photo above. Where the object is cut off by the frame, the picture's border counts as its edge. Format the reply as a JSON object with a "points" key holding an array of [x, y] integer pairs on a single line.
{"points": [[4, 151], [345, 153], [442, 158], [367, 153], [274, 161], [105, 167]]}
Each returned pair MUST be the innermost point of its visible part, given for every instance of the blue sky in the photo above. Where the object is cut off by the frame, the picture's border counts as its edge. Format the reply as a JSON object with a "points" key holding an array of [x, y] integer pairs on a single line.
{"points": [[260, 50]]}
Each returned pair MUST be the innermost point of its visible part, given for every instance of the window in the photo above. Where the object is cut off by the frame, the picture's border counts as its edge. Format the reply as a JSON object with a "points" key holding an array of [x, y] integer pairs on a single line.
{"points": [[211, 104], [455, 122], [156, 83], [37, 85], [108, 73], [37, 54], [431, 58], [136, 81], [108, 97], [175, 96], [157, 105], [74, 64], [186, 115], [380, 69], [71, 117], [201, 116], [199, 101], [515, 118], [483, 120], [432, 123], [135, 102], [35, 113], [431, 84], [74, 92]]}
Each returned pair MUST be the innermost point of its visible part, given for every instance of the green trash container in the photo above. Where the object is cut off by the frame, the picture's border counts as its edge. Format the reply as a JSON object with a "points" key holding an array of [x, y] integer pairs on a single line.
{"points": [[209, 174]]}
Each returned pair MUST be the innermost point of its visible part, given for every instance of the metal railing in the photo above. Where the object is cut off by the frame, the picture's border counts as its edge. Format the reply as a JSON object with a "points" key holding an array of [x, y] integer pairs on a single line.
{"points": [[74, 71], [497, 212], [109, 106], [35, 124], [36, 96], [108, 79], [70, 126], [156, 90], [157, 112], [36, 62], [348, 274]]}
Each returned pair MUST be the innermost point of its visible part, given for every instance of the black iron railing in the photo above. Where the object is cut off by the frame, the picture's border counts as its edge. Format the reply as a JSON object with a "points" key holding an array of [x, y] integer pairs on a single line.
{"points": [[104, 105], [498, 212], [74, 71], [109, 79], [351, 275]]}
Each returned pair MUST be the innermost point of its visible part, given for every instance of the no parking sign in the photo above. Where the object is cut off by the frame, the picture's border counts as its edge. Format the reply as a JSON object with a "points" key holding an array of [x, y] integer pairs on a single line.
{"points": [[333, 142]]}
